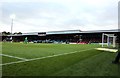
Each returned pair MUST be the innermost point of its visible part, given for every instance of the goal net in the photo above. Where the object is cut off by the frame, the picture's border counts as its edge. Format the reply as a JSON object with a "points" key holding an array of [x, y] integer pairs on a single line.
{"points": [[108, 40]]}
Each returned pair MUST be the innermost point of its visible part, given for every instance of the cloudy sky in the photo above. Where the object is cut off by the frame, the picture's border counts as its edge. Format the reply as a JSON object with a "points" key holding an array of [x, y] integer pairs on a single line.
{"points": [[55, 15]]}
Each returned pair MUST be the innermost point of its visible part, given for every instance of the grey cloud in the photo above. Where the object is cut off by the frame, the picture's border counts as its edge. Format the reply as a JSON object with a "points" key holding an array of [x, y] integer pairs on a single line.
{"points": [[60, 16]]}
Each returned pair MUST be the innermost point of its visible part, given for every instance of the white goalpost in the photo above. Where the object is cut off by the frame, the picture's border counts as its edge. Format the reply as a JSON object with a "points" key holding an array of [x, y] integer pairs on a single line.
{"points": [[108, 39], [107, 42]]}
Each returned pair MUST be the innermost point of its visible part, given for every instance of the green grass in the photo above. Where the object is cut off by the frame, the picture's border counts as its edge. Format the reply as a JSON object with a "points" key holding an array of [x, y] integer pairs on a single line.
{"points": [[40, 50], [97, 65], [8, 59], [87, 63]]}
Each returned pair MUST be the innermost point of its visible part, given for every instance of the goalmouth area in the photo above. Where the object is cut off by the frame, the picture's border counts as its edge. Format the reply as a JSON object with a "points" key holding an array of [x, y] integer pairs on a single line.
{"points": [[46, 59]]}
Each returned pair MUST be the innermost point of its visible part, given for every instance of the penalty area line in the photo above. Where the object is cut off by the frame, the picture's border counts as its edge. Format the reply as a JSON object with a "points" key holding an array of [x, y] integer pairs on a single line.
{"points": [[43, 57], [13, 57]]}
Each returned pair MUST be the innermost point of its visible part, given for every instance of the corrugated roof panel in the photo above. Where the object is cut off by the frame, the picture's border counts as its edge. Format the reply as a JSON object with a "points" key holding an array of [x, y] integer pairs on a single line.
{"points": [[29, 33], [63, 32]]}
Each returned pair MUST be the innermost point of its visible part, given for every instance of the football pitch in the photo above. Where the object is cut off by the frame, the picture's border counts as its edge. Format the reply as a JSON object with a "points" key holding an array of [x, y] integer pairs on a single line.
{"points": [[35, 59]]}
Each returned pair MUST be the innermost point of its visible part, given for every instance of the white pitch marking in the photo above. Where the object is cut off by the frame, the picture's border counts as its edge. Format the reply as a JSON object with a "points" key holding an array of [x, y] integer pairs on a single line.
{"points": [[107, 49], [42, 57], [13, 56]]}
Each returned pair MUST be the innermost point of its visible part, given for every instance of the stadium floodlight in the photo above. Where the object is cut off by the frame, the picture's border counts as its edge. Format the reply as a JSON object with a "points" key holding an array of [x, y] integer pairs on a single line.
{"points": [[12, 16]]}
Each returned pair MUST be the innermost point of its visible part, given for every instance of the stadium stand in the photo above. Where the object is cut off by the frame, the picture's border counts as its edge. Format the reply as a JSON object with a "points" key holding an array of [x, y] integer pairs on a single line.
{"points": [[66, 36]]}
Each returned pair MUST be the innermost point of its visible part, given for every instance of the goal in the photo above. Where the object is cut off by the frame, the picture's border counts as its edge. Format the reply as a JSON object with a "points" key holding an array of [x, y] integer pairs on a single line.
{"points": [[108, 41]]}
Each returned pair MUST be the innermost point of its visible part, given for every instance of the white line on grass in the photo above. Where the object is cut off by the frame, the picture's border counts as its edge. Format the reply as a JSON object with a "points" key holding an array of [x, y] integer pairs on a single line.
{"points": [[43, 57], [107, 49], [13, 57]]}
